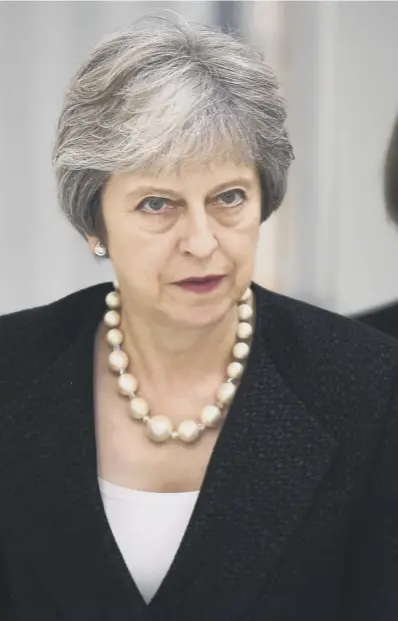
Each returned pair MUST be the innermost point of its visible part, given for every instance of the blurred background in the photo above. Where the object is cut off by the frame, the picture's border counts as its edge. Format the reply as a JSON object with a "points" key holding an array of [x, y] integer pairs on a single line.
{"points": [[329, 244]]}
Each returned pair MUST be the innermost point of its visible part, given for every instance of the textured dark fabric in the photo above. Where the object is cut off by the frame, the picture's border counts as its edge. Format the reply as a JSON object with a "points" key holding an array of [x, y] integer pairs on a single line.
{"points": [[297, 519], [384, 318]]}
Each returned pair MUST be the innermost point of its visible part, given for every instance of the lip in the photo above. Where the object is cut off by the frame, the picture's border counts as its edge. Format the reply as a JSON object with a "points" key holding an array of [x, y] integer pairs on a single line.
{"points": [[202, 284]]}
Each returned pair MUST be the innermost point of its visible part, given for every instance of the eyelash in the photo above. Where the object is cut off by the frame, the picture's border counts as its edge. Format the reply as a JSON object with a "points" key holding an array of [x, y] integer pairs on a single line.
{"points": [[140, 207]]}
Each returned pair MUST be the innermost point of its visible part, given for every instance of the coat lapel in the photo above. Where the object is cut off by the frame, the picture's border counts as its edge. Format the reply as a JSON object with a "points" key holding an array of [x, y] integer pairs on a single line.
{"points": [[267, 465], [56, 512]]}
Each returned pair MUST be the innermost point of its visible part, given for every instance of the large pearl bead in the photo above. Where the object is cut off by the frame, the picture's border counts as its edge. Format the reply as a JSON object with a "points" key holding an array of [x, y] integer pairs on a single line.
{"points": [[247, 295], [188, 431], [139, 408], [118, 360], [241, 351], [211, 415], [234, 370], [159, 428], [244, 330], [114, 337], [245, 312], [112, 319], [226, 392], [127, 384], [113, 300]]}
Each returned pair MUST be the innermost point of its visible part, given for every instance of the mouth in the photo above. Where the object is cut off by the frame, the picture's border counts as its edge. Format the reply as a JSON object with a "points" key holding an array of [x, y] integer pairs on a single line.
{"points": [[201, 285]]}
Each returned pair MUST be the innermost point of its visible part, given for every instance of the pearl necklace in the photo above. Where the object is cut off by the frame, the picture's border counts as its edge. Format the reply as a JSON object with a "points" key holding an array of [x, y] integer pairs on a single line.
{"points": [[160, 428]]}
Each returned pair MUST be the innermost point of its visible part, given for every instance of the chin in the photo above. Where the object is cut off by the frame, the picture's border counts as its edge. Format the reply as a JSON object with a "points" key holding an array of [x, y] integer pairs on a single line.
{"points": [[202, 316]]}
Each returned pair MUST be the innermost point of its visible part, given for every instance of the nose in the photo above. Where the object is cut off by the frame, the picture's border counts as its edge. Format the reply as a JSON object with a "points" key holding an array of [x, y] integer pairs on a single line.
{"points": [[198, 239]]}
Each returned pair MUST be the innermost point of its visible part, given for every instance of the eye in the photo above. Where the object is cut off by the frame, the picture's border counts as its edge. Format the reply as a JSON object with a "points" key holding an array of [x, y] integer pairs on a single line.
{"points": [[155, 204], [231, 198]]}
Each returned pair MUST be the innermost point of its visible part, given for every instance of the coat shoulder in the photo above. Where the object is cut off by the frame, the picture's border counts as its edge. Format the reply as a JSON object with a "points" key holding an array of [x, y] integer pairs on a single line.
{"points": [[344, 369], [320, 328], [32, 339], [63, 314], [383, 318]]}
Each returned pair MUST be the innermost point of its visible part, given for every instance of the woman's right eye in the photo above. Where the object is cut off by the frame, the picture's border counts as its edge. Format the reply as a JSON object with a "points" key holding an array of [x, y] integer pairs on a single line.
{"points": [[155, 205]]}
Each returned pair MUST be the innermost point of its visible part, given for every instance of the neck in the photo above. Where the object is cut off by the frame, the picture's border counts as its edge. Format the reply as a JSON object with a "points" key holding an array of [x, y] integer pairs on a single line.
{"points": [[172, 356]]}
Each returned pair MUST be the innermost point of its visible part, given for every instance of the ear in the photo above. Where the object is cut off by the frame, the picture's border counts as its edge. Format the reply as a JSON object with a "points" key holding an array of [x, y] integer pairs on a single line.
{"points": [[92, 241]]}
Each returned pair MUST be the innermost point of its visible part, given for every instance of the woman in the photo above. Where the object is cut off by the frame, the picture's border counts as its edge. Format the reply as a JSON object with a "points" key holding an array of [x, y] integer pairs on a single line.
{"points": [[385, 318], [185, 444]]}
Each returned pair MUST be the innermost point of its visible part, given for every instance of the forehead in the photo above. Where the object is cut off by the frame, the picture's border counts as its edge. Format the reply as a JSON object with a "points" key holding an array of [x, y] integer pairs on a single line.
{"points": [[189, 176]]}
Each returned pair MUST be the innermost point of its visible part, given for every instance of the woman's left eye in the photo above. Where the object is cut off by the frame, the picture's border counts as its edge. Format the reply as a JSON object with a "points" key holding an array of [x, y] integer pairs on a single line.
{"points": [[231, 198]]}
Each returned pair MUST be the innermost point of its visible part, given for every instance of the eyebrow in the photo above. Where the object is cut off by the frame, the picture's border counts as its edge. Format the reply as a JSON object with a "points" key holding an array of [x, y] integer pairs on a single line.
{"points": [[242, 181], [247, 183], [148, 189]]}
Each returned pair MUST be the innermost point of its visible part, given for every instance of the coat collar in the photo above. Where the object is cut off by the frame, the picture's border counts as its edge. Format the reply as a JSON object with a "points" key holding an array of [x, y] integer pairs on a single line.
{"points": [[266, 467]]}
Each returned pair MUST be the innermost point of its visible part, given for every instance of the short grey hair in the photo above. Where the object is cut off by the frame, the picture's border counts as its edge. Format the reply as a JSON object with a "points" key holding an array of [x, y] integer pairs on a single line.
{"points": [[161, 94]]}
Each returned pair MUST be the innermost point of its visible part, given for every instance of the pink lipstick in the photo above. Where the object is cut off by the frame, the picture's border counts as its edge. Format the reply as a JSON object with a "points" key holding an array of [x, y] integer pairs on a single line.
{"points": [[200, 285]]}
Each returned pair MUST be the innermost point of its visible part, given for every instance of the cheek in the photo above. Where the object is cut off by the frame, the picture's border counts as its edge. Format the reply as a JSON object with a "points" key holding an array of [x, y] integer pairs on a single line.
{"points": [[241, 241], [142, 258], [240, 249]]}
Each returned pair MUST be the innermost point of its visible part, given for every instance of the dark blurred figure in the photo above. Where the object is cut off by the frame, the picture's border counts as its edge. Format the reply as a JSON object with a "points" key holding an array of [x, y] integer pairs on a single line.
{"points": [[385, 318]]}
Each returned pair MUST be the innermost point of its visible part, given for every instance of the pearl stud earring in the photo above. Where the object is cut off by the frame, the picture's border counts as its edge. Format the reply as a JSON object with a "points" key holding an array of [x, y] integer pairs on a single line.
{"points": [[100, 250]]}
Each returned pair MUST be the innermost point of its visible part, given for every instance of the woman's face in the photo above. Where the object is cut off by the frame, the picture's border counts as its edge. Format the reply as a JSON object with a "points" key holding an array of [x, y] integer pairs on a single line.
{"points": [[183, 245]]}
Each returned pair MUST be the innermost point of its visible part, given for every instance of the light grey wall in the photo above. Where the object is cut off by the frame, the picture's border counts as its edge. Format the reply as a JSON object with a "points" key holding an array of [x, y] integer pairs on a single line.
{"points": [[366, 256], [340, 69]]}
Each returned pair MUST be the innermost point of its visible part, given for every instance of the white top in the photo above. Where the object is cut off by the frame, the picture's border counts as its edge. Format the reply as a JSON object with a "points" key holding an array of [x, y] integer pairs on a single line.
{"points": [[148, 528]]}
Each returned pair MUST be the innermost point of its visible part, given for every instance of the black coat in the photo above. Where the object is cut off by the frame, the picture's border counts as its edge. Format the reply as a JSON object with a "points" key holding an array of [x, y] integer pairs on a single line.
{"points": [[384, 318], [297, 519]]}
